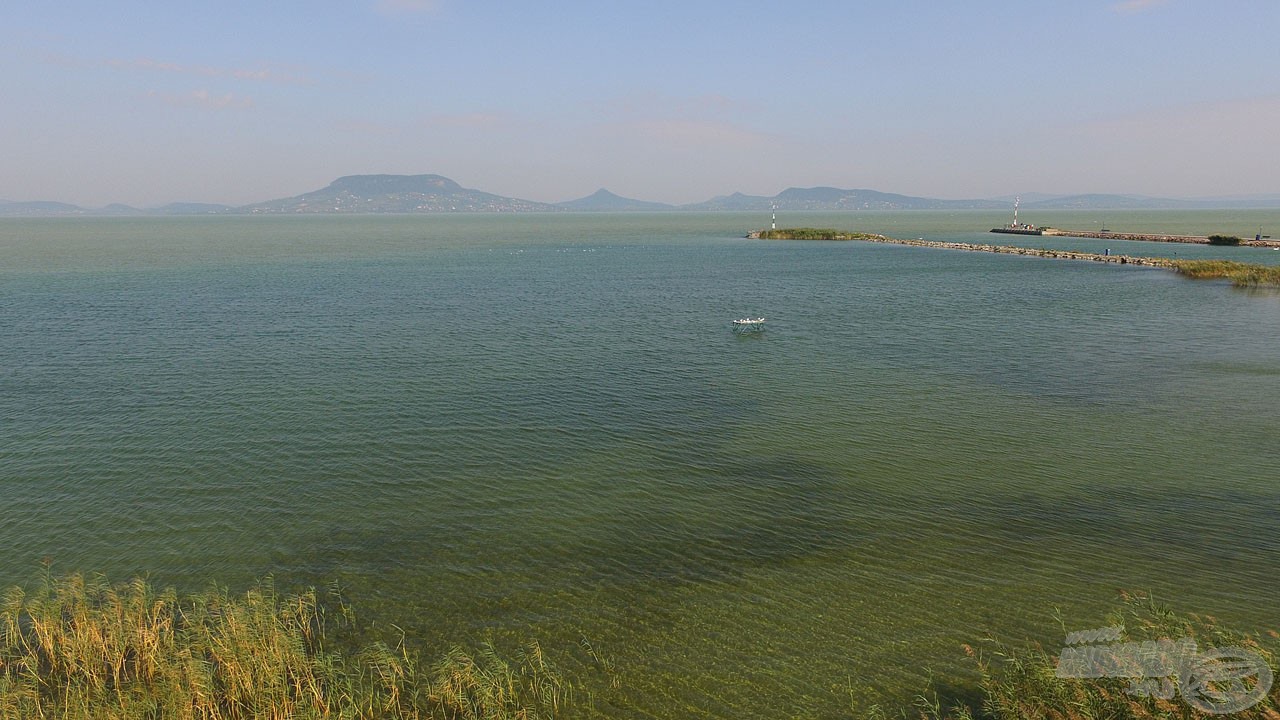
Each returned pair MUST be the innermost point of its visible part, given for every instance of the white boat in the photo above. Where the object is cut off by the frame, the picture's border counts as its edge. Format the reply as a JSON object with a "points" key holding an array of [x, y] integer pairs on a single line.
{"points": [[748, 324]]}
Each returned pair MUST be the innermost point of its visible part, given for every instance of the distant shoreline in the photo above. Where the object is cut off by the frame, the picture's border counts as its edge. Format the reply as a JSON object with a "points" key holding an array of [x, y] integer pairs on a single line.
{"points": [[435, 194]]}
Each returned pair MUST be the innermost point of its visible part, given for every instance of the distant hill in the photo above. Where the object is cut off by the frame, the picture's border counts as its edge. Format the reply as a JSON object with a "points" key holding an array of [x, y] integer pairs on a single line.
{"points": [[829, 199], [1109, 202], [39, 208], [1140, 202], [1027, 197], [190, 208], [361, 194], [1244, 201], [394, 194], [604, 201], [736, 201]]}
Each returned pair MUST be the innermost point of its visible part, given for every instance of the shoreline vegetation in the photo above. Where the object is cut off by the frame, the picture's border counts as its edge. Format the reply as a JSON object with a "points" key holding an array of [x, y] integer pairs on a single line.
{"points": [[78, 648], [810, 234], [1240, 274]]}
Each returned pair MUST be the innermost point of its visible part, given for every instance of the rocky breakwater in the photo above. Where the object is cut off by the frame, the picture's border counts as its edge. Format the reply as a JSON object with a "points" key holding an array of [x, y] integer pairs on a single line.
{"points": [[1033, 252], [1240, 274], [1150, 237]]}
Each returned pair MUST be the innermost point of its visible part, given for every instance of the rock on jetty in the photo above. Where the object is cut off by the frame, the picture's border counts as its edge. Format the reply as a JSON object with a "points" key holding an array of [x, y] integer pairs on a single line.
{"points": [[1034, 252], [1149, 237]]}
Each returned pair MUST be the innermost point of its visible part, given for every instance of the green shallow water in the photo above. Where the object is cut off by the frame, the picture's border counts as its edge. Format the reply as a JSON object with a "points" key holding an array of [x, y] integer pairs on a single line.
{"points": [[519, 427]]}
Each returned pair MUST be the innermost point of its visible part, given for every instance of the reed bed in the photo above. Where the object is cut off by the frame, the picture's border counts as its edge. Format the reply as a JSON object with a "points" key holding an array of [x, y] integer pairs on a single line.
{"points": [[1240, 274], [75, 648]]}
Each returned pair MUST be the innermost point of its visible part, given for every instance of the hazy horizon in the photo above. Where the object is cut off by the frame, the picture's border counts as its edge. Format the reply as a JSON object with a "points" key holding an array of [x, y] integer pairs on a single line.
{"points": [[676, 103], [1029, 198]]}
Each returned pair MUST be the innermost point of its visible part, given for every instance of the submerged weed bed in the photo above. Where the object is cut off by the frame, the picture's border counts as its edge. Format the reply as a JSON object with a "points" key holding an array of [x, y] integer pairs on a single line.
{"points": [[1116, 672]]}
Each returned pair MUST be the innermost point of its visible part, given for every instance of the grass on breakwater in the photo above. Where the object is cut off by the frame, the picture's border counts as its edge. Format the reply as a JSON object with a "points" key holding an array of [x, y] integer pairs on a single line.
{"points": [[1240, 274], [1229, 240], [810, 234], [82, 648]]}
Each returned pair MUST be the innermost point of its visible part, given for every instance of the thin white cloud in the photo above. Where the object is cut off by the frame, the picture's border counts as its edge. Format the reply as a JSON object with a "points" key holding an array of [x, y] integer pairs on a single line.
{"points": [[1178, 151], [406, 7], [203, 100], [1217, 121], [1130, 7], [142, 64], [707, 106], [261, 74], [368, 128], [62, 60], [468, 121], [701, 133], [706, 121], [490, 122], [280, 74]]}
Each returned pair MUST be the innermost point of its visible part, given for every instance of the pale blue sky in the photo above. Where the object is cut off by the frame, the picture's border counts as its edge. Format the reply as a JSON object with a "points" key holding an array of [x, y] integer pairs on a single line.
{"points": [[235, 102]]}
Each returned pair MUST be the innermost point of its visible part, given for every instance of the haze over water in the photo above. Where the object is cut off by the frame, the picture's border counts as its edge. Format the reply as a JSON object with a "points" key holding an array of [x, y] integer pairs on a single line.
{"points": [[540, 427]]}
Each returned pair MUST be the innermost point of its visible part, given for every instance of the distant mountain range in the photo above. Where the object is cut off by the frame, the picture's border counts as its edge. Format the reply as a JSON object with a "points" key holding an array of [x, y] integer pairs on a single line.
{"points": [[835, 199], [1125, 202], [362, 194]]}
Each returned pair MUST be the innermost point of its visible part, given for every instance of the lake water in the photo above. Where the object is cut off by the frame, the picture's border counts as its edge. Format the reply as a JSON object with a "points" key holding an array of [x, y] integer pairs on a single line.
{"points": [[541, 427]]}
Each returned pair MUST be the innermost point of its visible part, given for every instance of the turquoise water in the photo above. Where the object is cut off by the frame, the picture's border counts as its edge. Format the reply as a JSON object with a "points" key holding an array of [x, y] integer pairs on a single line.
{"points": [[541, 427]]}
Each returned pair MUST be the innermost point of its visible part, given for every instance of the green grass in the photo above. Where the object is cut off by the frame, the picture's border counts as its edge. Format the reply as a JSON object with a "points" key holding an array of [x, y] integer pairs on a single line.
{"points": [[813, 234], [1240, 274], [1224, 240], [81, 648]]}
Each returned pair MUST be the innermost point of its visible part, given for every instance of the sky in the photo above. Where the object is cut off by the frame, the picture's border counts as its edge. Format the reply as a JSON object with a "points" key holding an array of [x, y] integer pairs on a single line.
{"points": [[146, 103]]}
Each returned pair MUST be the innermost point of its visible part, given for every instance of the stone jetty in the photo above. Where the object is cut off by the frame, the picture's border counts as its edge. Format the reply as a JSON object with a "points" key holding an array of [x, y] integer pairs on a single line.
{"points": [[1150, 237], [1033, 252], [1240, 274]]}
